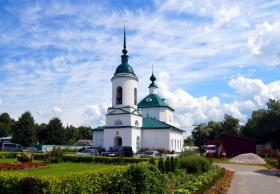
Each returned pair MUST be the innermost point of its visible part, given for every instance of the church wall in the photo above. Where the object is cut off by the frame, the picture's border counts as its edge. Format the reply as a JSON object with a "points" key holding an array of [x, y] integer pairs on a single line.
{"points": [[176, 141], [159, 113], [128, 84], [136, 133], [97, 138], [166, 115], [126, 119], [155, 138], [110, 134]]}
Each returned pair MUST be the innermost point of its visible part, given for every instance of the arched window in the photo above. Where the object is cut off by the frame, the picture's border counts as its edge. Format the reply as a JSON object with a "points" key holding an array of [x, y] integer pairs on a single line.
{"points": [[119, 95], [137, 143], [118, 122], [135, 96], [136, 123]]}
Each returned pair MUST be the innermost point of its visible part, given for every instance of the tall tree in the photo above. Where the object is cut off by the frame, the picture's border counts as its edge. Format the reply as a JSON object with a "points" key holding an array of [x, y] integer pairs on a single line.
{"points": [[230, 125], [24, 130], [6, 124], [84, 132], [55, 132]]}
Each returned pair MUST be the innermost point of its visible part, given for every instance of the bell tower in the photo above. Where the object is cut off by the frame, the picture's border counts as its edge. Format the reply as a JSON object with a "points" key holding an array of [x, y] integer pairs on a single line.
{"points": [[124, 82]]}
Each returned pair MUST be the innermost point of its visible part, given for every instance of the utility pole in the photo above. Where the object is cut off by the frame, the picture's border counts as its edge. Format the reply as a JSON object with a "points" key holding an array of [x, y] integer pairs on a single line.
{"points": [[199, 131]]}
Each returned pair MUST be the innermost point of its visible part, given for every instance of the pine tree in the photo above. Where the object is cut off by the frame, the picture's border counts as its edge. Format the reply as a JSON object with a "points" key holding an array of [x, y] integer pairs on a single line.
{"points": [[161, 165], [167, 164]]}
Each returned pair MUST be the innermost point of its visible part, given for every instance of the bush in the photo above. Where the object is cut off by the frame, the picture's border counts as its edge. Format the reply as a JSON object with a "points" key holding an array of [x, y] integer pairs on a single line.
{"points": [[167, 165], [161, 165], [194, 163], [104, 159], [173, 164], [55, 156], [139, 178], [24, 157], [152, 161]]}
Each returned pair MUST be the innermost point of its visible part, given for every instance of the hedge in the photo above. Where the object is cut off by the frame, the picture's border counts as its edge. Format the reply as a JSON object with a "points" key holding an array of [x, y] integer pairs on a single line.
{"points": [[88, 159], [136, 178]]}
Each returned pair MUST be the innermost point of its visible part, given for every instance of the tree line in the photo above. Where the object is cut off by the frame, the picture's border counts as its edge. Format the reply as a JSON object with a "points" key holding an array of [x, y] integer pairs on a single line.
{"points": [[264, 125], [26, 131]]}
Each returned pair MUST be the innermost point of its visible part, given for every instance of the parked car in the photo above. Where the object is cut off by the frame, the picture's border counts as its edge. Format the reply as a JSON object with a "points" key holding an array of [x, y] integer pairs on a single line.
{"points": [[32, 149], [151, 154], [12, 147], [119, 151], [88, 152]]}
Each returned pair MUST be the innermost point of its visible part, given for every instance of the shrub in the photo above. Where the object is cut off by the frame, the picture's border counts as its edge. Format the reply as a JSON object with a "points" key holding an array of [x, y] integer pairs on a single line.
{"points": [[24, 157], [173, 164], [161, 165], [104, 159], [139, 178], [55, 156], [194, 163], [167, 164], [152, 161]]}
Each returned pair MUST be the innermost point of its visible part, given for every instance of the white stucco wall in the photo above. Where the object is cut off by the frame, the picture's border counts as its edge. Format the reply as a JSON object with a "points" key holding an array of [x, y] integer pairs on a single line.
{"points": [[160, 113], [135, 133], [110, 134], [128, 83], [97, 138], [126, 119], [176, 142], [155, 138]]}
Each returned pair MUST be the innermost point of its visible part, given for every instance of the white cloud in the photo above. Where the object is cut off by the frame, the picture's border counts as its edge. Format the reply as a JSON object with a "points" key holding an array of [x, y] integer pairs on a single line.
{"points": [[251, 94], [56, 110]]}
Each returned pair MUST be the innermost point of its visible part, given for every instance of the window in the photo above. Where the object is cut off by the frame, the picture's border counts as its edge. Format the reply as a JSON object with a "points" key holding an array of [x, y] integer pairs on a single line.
{"points": [[136, 123], [172, 144], [119, 95], [175, 144], [137, 143], [135, 96], [118, 122]]}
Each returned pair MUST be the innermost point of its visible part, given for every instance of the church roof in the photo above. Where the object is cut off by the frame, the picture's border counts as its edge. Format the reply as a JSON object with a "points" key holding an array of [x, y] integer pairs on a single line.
{"points": [[124, 67], [151, 123], [153, 100], [148, 123]]}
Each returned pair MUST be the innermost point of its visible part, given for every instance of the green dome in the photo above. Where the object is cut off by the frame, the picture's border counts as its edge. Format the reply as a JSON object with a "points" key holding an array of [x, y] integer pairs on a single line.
{"points": [[124, 68]]}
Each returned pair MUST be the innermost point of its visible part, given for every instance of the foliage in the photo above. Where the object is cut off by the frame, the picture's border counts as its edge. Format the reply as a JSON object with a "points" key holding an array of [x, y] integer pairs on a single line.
{"points": [[173, 164], [264, 124], [55, 156], [104, 159], [24, 130], [194, 163], [6, 124], [54, 132], [24, 157], [161, 165], [139, 178], [152, 161], [222, 184], [200, 183], [213, 130], [188, 141], [167, 164]]}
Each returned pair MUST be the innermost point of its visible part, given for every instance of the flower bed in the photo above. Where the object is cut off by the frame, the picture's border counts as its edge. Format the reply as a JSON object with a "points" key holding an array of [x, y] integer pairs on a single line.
{"points": [[222, 185], [23, 165]]}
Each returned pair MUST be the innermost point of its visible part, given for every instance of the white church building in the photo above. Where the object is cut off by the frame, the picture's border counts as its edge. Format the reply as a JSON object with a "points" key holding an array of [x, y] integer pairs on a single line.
{"points": [[147, 124]]}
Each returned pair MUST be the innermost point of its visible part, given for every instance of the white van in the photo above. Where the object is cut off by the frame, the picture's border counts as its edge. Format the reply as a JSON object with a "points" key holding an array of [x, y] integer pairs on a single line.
{"points": [[12, 147]]}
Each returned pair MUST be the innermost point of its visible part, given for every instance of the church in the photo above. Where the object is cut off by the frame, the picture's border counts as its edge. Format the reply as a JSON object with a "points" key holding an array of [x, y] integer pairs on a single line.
{"points": [[147, 124]]}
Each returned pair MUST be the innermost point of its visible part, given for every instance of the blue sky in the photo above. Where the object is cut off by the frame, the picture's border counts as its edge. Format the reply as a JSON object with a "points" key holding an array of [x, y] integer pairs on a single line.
{"points": [[211, 57]]}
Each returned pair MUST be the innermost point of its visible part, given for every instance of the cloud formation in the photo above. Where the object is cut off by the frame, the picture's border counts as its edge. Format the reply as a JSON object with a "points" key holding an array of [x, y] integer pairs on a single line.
{"points": [[57, 57]]}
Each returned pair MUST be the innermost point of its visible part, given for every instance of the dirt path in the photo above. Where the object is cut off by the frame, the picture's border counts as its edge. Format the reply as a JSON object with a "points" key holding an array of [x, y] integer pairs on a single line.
{"points": [[253, 180]]}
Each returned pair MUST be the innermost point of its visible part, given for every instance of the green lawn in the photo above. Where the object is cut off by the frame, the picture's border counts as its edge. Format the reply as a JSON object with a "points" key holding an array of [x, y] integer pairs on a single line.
{"points": [[8, 160], [60, 169]]}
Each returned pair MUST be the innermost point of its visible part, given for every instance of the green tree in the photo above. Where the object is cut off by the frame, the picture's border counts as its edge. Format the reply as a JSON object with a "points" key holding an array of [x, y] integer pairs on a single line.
{"points": [[71, 135], [188, 141], [84, 132], [24, 130], [6, 124], [167, 164], [55, 132], [161, 165], [230, 125]]}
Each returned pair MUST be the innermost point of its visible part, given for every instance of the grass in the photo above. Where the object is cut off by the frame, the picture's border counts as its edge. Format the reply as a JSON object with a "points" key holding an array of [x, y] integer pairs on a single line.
{"points": [[59, 169], [8, 160]]}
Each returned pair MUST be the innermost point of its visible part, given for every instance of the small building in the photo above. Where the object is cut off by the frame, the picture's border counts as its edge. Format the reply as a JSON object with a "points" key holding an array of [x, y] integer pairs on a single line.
{"points": [[234, 145], [83, 142]]}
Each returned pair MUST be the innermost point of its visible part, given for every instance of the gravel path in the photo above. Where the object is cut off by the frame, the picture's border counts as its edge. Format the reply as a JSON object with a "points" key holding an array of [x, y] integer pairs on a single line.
{"points": [[253, 180]]}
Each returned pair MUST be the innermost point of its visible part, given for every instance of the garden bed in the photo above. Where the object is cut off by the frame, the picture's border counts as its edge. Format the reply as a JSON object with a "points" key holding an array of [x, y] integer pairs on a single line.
{"points": [[23, 165]]}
